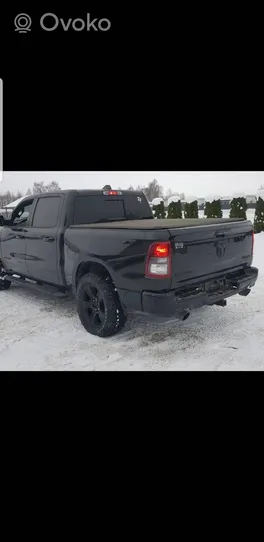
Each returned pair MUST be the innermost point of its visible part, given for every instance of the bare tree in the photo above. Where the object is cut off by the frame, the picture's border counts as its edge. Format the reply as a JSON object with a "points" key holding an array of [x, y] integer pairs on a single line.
{"points": [[53, 187], [170, 193], [40, 187], [8, 197], [153, 190]]}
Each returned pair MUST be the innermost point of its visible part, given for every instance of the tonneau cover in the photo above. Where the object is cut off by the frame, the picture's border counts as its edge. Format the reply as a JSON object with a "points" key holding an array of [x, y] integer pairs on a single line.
{"points": [[159, 224]]}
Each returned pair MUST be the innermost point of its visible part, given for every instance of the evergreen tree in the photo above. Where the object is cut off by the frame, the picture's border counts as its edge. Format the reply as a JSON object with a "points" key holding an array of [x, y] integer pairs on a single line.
{"points": [[179, 209], [191, 210], [194, 209], [187, 210], [238, 208], [159, 210], [259, 216], [175, 210], [217, 210], [207, 210], [214, 209]]}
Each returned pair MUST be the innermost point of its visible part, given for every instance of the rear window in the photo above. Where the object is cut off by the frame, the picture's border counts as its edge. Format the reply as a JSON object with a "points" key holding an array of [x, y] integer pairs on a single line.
{"points": [[137, 207], [91, 209]]}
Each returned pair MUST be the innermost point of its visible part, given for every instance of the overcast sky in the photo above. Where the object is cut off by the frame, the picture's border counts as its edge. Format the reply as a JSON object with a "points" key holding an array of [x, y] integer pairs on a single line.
{"points": [[197, 183]]}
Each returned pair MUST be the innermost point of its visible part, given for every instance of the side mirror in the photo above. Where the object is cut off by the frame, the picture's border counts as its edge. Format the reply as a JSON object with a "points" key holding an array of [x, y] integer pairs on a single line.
{"points": [[2, 220], [19, 221]]}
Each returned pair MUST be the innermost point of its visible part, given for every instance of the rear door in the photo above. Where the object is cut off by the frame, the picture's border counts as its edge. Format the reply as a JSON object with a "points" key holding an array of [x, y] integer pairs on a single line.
{"points": [[201, 251], [42, 240]]}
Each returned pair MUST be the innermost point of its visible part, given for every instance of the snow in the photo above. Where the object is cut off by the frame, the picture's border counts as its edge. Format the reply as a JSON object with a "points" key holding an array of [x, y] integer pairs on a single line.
{"points": [[239, 195], [42, 332], [173, 199], [260, 194], [157, 201], [250, 214], [3, 212], [212, 197], [13, 204], [190, 199]]}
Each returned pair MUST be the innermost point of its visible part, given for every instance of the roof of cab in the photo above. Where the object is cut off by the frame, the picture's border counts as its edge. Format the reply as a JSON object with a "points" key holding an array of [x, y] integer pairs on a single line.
{"points": [[83, 192]]}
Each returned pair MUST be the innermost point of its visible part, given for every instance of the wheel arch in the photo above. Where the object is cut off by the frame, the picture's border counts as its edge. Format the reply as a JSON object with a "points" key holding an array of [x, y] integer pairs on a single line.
{"points": [[85, 266]]}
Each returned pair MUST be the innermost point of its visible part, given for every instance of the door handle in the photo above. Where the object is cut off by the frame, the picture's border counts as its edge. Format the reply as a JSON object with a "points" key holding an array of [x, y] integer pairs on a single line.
{"points": [[48, 239], [20, 237]]}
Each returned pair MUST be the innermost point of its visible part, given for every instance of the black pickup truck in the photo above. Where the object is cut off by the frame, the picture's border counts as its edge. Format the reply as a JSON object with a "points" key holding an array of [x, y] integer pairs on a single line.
{"points": [[106, 247]]}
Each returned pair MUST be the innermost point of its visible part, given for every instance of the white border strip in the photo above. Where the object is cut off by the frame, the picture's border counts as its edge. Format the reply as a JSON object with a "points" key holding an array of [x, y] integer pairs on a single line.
{"points": [[1, 130]]}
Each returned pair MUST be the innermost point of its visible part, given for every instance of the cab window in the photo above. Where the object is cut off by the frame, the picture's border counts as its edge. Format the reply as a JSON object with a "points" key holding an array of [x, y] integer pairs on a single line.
{"points": [[21, 215]]}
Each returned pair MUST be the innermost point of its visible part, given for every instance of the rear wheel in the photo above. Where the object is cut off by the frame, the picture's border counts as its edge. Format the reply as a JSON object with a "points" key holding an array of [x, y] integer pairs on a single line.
{"points": [[98, 306], [5, 284]]}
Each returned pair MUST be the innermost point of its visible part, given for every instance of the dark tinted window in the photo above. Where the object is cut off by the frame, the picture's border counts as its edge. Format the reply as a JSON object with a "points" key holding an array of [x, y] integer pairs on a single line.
{"points": [[137, 207], [46, 213], [90, 209]]}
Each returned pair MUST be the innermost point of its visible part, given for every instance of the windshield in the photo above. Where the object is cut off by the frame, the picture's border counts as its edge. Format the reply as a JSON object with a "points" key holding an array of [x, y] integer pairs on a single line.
{"points": [[95, 209]]}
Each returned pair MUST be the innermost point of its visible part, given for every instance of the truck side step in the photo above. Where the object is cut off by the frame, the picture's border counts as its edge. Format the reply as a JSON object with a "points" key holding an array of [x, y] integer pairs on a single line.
{"points": [[39, 286]]}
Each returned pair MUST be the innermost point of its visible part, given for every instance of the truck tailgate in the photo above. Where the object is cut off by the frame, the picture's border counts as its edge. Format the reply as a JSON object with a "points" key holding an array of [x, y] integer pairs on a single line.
{"points": [[204, 250]]}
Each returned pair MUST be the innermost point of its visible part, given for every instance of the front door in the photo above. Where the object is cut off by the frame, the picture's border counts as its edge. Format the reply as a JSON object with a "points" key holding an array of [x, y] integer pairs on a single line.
{"points": [[13, 240]]}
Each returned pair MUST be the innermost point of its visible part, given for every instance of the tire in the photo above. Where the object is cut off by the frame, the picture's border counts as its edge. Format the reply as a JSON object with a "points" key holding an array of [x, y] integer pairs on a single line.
{"points": [[98, 306], [5, 284]]}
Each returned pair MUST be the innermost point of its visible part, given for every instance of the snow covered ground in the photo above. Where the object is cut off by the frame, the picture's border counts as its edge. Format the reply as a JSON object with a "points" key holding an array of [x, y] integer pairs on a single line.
{"points": [[250, 214], [40, 332]]}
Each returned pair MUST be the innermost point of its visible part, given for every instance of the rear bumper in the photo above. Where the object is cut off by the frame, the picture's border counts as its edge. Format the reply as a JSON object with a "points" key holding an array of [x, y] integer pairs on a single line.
{"points": [[207, 293]]}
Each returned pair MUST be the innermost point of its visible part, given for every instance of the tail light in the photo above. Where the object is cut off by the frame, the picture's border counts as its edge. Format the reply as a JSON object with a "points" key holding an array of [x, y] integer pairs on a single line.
{"points": [[158, 263], [112, 193]]}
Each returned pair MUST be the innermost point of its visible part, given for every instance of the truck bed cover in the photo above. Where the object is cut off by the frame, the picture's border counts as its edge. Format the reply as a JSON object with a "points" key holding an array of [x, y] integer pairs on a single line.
{"points": [[159, 224]]}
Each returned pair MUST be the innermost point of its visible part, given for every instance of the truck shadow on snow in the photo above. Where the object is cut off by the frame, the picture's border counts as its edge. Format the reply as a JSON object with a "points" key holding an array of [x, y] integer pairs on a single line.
{"points": [[204, 323]]}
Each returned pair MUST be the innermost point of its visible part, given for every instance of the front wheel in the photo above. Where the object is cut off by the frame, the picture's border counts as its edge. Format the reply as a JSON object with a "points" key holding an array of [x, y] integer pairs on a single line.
{"points": [[98, 306]]}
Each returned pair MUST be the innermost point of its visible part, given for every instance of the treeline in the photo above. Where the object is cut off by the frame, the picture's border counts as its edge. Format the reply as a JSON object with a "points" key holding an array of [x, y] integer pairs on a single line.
{"points": [[37, 188], [8, 197], [212, 210], [175, 210], [238, 209]]}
